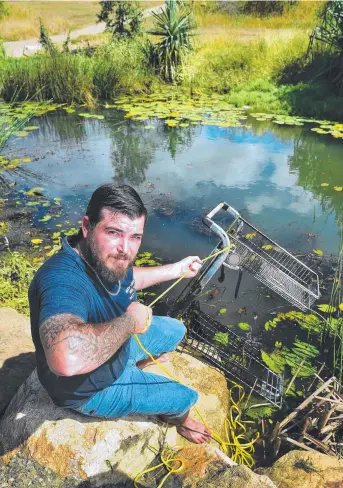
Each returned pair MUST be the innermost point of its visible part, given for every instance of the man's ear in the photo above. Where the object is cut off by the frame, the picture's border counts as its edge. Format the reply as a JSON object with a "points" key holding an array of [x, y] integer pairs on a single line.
{"points": [[85, 226]]}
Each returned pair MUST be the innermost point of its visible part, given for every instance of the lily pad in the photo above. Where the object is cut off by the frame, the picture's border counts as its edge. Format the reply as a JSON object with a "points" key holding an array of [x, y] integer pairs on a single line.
{"points": [[244, 326], [326, 308], [46, 218]]}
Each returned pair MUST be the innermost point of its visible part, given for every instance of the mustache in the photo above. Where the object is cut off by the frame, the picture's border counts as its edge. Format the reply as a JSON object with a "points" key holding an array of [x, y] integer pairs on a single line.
{"points": [[120, 256]]}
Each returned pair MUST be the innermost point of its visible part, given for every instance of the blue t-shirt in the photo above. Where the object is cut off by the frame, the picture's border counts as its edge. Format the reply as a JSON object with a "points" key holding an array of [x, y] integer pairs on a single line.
{"points": [[64, 285]]}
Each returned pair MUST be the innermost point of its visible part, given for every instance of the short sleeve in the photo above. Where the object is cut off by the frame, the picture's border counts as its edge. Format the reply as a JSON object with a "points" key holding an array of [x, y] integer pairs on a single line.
{"points": [[62, 293]]}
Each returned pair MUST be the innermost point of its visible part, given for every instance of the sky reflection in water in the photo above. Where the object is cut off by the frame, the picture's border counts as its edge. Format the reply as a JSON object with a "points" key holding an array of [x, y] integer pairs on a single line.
{"points": [[271, 174]]}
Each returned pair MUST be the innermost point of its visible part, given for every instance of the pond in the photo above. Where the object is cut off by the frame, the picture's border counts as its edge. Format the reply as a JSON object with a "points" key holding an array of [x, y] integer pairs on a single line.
{"points": [[286, 180]]}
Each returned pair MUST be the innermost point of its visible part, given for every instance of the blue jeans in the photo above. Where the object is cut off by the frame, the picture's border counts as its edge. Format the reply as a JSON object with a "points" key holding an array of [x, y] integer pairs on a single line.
{"points": [[137, 392]]}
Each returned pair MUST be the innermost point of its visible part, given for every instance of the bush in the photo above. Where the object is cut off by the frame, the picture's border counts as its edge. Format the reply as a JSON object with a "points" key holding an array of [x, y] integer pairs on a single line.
{"points": [[262, 8]]}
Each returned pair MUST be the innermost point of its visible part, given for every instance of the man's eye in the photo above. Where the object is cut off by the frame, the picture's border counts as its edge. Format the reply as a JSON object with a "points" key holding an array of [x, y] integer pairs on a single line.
{"points": [[113, 232]]}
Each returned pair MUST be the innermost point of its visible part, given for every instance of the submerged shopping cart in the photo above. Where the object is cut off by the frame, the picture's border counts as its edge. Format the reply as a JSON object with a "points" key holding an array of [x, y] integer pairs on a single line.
{"points": [[247, 249]]}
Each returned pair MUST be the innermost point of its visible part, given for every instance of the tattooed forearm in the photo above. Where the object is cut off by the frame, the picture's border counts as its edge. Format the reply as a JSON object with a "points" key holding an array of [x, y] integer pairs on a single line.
{"points": [[80, 347]]}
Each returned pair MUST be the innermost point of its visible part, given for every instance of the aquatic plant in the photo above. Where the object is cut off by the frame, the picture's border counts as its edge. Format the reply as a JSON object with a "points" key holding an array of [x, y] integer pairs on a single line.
{"points": [[13, 118], [300, 358], [257, 410], [221, 338], [310, 322], [16, 274], [147, 259]]}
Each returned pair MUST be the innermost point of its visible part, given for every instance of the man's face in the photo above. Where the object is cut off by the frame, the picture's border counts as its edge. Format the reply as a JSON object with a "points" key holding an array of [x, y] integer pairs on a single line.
{"points": [[113, 244]]}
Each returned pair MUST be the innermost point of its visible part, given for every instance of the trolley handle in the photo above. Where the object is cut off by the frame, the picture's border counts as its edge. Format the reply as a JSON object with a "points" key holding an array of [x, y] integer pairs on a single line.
{"points": [[207, 220], [227, 208]]}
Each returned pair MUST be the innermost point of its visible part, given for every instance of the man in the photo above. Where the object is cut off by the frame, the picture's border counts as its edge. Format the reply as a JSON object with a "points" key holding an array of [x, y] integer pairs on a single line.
{"points": [[84, 312]]}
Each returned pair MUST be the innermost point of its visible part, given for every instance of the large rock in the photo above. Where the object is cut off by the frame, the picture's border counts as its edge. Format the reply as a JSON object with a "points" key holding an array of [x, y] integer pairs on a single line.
{"points": [[306, 469], [87, 448], [17, 357], [207, 467]]}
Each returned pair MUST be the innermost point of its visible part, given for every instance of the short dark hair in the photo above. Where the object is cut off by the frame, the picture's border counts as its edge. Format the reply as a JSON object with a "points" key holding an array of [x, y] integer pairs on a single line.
{"points": [[118, 198]]}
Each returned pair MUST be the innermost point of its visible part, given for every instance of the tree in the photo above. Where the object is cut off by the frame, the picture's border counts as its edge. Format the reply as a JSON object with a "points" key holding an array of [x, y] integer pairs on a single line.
{"points": [[174, 25], [123, 18], [330, 33], [45, 40]]}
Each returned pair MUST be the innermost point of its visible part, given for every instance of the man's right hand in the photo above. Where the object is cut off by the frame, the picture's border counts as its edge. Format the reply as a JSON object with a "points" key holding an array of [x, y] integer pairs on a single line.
{"points": [[141, 315]]}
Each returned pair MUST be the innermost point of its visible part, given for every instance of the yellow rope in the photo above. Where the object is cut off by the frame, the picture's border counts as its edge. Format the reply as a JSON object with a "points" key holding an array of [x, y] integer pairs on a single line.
{"points": [[240, 452], [167, 461]]}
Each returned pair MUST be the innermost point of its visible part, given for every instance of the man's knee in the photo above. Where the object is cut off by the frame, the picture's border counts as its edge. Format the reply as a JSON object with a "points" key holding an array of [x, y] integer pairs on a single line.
{"points": [[193, 396], [176, 328]]}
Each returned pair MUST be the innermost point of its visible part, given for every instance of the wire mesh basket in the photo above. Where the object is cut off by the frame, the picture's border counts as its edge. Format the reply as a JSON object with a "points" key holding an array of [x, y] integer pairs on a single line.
{"points": [[253, 251], [274, 266], [237, 358]]}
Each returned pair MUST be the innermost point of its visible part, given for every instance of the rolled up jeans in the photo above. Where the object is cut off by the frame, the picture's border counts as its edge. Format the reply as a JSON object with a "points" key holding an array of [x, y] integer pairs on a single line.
{"points": [[137, 392]]}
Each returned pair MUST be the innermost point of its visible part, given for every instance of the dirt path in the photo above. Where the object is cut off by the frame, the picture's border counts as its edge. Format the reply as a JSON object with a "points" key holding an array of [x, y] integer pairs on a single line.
{"points": [[16, 48]]}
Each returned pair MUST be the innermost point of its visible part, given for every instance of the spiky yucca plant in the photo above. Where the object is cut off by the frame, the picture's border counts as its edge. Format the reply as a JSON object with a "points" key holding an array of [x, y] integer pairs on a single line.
{"points": [[174, 25]]}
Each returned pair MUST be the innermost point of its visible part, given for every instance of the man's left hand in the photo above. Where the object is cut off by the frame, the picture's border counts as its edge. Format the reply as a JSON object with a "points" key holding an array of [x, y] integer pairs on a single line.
{"points": [[189, 265]]}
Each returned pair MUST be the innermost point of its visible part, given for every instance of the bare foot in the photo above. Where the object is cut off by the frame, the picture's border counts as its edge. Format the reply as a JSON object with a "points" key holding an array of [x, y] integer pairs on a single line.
{"points": [[194, 431], [162, 358]]}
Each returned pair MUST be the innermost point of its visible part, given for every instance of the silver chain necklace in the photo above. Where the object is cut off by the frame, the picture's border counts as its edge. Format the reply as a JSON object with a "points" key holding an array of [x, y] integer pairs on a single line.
{"points": [[96, 274]]}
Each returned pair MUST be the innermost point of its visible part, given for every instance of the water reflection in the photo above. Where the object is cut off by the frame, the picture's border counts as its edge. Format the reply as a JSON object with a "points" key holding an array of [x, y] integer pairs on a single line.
{"points": [[316, 161], [178, 138], [133, 149], [271, 174]]}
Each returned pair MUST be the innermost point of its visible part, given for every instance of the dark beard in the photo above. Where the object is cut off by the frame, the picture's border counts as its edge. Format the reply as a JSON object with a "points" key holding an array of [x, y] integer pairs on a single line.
{"points": [[107, 275]]}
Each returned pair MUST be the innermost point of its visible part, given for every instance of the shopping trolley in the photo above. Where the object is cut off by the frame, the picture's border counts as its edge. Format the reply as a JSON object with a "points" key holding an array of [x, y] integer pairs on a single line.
{"points": [[248, 249]]}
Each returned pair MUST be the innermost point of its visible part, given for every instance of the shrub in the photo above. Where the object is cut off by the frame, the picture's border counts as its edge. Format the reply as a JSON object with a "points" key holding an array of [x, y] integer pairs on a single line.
{"points": [[174, 26]]}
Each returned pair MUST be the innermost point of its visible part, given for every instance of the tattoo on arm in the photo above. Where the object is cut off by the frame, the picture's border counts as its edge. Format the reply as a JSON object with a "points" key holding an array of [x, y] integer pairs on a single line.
{"points": [[90, 344]]}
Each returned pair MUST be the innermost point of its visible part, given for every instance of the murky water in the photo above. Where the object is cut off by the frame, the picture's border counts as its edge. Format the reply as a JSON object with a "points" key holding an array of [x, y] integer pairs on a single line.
{"points": [[271, 174]]}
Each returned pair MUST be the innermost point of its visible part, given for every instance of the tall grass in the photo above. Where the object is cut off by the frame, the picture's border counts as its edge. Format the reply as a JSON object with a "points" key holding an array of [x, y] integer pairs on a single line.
{"points": [[336, 302], [218, 16], [226, 64], [77, 78]]}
